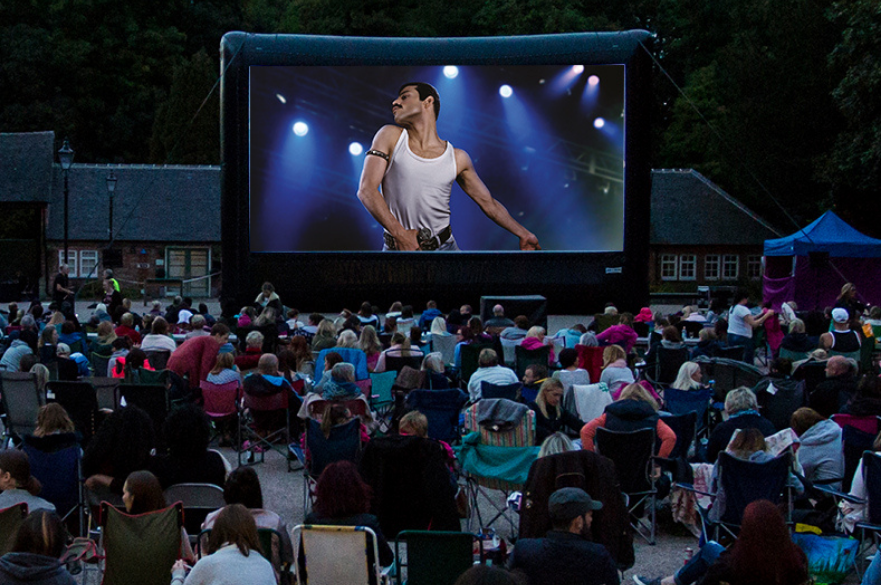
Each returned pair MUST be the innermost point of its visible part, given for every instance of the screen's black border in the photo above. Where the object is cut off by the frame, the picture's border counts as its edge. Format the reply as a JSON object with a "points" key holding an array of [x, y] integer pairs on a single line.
{"points": [[573, 282]]}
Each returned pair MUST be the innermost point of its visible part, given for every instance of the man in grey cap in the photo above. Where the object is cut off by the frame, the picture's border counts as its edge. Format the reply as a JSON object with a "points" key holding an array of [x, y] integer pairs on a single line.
{"points": [[566, 556]]}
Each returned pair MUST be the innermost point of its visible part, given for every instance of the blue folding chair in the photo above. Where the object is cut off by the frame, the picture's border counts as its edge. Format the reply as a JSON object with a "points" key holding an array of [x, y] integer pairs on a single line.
{"points": [[441, 408], [508, 391], [678, 402]]}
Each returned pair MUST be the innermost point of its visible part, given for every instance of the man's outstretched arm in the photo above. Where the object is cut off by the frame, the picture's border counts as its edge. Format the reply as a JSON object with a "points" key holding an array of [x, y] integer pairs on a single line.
{"points": [[475, 188], [369, 195]]}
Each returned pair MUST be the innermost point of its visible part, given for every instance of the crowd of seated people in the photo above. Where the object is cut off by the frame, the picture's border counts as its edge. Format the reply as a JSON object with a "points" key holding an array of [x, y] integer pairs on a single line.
{"points": [[126, 440]]}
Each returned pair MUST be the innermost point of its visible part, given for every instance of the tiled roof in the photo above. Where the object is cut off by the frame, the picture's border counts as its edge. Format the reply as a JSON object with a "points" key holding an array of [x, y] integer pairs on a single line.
{"points": [[688, 209]]}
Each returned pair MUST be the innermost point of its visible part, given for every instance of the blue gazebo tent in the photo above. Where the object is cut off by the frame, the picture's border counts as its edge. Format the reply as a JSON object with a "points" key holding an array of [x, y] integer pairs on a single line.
{"points": [[811, 265]]}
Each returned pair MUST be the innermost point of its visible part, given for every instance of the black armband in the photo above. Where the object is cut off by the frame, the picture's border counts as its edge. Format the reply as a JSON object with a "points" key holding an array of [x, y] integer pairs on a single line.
{"points": [[378, 153]]}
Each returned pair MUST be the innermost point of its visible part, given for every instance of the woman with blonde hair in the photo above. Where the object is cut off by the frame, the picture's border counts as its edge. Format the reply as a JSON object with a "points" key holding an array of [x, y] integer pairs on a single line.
{"points": [[371, 346], [689, 377], [325, 336], [615, 372], [536, 339], [550, 415], [635, 409]]}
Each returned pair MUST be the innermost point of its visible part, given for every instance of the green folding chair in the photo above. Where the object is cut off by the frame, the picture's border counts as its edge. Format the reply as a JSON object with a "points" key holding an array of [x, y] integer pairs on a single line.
{"points": [[433, 558]]}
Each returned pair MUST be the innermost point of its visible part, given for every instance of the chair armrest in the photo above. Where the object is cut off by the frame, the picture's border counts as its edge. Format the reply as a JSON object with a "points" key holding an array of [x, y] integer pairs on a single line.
{"points": [[690, 488], [839, 494]]}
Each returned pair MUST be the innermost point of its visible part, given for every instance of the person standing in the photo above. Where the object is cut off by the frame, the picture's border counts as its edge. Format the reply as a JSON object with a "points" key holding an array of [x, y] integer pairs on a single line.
{"points": [[741, 324]]}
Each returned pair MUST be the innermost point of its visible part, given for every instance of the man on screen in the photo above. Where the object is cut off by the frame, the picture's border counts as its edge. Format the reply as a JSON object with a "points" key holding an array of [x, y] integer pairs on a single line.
{"points": [[416, 170]]}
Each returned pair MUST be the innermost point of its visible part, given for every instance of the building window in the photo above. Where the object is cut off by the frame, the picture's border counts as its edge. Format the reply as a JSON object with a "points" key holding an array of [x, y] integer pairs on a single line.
{"points": [[712, 264], [82, 263], [754, 267], [668, 267], [687, 267], [72, 257], [88, 264], [730, 266]]}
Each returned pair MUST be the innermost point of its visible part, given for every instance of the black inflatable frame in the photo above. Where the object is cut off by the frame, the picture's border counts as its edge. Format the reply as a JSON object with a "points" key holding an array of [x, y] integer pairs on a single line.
{"points": [[573, 282]]}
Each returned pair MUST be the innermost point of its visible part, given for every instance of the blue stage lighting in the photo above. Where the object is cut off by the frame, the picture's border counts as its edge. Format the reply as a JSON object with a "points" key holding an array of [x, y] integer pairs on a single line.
{"points": [[505, 91], [281, 98], [599, 123], [593, 80], [301, 128], [578, 69], [451, 72], [355, 149]]}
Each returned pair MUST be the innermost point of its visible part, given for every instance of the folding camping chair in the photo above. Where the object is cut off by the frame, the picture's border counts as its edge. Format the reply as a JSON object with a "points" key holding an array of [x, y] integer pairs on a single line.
{"points": [[343, 444], [56, 463], [21, 399], [140, 550], [744, 482], [198, 500], [382, 397], [264, 424], [222, 403], [633, 455], [80, 400], [679, 402], [337, 554], [413, 488], [441, 408], [11, 519], [496, 459], [434, 558], [524, 358], [778, 399]]}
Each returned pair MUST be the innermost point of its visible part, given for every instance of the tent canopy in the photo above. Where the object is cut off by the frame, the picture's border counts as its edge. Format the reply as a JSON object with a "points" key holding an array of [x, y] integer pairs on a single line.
{"points": [[829, 233]]}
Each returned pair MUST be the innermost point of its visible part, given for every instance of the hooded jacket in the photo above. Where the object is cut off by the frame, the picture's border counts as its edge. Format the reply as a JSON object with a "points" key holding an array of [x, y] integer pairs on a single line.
{"points": [[820, 451], [26, 568]]}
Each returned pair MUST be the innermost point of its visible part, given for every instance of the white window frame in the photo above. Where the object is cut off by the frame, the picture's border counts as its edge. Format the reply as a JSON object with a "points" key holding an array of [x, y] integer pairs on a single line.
{"points": [[687, 263], [668, 261], [754, 267], [72, 262], [711, 260], [80, 262], [727, 261], [88, 266]]}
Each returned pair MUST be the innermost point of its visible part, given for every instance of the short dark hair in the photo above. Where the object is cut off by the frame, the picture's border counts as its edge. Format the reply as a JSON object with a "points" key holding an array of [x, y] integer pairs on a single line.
{"points": [[568, 357], [219, 329], [243, 487], [425, 91]]}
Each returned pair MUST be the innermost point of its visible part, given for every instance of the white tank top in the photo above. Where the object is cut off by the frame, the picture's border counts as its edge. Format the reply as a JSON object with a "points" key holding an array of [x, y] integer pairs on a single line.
{"points": [[417, 190]]}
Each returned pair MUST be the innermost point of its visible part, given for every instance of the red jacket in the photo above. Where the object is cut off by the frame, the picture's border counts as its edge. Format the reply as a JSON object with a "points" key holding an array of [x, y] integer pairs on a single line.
{"points": [[194, 357]]}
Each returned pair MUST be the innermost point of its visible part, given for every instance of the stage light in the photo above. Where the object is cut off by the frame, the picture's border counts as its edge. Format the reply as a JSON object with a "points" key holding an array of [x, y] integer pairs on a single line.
{"points": [[599, 123], [355, 149], [281, 98], [451, 72], [593, 80], [301, 128], [505, 91], [578, 69]]}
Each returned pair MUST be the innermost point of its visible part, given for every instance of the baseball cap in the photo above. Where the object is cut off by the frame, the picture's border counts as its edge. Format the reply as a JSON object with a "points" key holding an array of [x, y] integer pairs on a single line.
{"points": [[568, 503], [840, 315]]}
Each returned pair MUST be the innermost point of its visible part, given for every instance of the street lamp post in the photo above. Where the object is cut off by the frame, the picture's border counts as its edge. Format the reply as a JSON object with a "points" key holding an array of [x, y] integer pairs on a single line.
{"points": [[65, 157], [111, 187]]}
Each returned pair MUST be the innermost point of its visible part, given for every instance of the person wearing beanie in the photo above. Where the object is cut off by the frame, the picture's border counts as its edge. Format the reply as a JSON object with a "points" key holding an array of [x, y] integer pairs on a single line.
{"points": [[18, 484]]}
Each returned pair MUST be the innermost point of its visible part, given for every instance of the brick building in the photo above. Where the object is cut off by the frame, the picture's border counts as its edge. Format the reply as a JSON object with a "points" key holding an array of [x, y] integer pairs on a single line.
{"points": [[166, 222]]}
